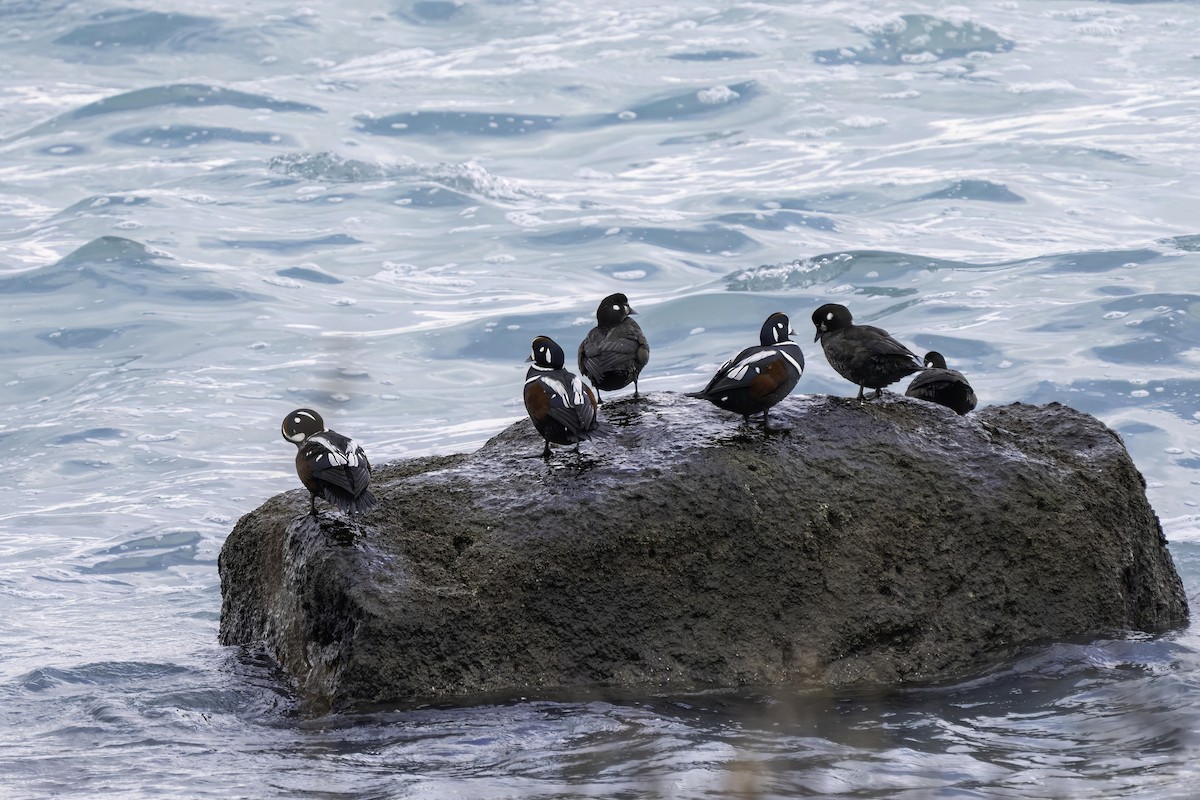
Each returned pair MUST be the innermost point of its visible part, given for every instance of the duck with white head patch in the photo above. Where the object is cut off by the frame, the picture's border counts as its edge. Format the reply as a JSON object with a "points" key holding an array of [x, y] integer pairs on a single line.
{"points": [[614, 352], [864, 355], [329, 464], [562, 408], [758, 377]]}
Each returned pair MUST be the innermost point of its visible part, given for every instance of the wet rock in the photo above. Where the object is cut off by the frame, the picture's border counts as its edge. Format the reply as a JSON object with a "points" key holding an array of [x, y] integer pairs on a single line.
{"points": [[888, 543]]}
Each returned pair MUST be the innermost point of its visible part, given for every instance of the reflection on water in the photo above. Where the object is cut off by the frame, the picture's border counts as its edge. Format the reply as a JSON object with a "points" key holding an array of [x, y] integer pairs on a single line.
{"points": [[1071, 719]]}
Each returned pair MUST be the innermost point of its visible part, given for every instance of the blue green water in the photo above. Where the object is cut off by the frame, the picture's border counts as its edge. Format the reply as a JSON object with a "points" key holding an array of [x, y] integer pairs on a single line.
{"points": [[213, 213]]}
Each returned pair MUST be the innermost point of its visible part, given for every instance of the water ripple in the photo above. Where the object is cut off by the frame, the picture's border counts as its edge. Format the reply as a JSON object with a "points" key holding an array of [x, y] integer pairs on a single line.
{"points": [[918, 39], [141, 30], [373, 208]]}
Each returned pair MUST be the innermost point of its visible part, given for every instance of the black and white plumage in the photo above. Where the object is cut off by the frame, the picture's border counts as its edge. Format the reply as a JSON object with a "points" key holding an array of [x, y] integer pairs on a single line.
{"points": [[758, 377], [862, 354], [562, 408], [943, 386], [614, 352], [329, 464]]}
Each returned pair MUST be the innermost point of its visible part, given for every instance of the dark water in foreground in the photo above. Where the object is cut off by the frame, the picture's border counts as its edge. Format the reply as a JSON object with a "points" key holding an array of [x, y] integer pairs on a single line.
{"points": [[1110, 718], [213, 213]]}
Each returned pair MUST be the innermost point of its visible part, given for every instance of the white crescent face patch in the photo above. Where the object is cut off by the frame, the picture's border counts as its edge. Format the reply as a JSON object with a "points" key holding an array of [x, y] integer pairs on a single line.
{"points": [[297, 420]]}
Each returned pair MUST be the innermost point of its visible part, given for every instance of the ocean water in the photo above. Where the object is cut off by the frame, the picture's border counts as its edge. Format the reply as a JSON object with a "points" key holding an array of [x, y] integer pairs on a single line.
{"points": [[212, 213]]}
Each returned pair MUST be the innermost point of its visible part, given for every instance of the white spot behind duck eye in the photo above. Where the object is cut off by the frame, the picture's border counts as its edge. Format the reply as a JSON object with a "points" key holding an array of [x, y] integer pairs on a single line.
{"points": [[616, 308], [829, 316]]}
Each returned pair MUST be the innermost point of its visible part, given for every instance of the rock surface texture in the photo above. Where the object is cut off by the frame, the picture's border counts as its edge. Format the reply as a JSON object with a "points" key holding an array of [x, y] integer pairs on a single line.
{"points": [[875, 544]]}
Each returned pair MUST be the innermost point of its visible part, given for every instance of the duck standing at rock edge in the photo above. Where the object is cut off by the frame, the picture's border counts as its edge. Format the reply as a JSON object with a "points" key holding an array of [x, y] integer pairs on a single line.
{"points": [[943, 386], [862, 354], [562, 409], [614, 352], [758, 377], [329, 464]]}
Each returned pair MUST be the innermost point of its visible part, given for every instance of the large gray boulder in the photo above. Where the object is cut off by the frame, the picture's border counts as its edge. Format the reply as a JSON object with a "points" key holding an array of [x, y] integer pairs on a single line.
{"points": [[875, 544]]}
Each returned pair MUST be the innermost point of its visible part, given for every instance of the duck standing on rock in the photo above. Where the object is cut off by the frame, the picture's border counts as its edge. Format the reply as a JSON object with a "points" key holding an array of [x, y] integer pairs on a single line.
{"points": [[329, 464], [862, 354], [758, 377], [943, 386], [614, 352], [562, 409]]}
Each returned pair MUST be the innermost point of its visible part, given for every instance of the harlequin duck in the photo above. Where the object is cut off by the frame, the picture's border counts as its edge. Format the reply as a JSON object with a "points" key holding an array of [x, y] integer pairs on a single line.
{"points": [[329, 464], [562, 409], [758, 377], [613, 353], [862, 354], [937, 384]]}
